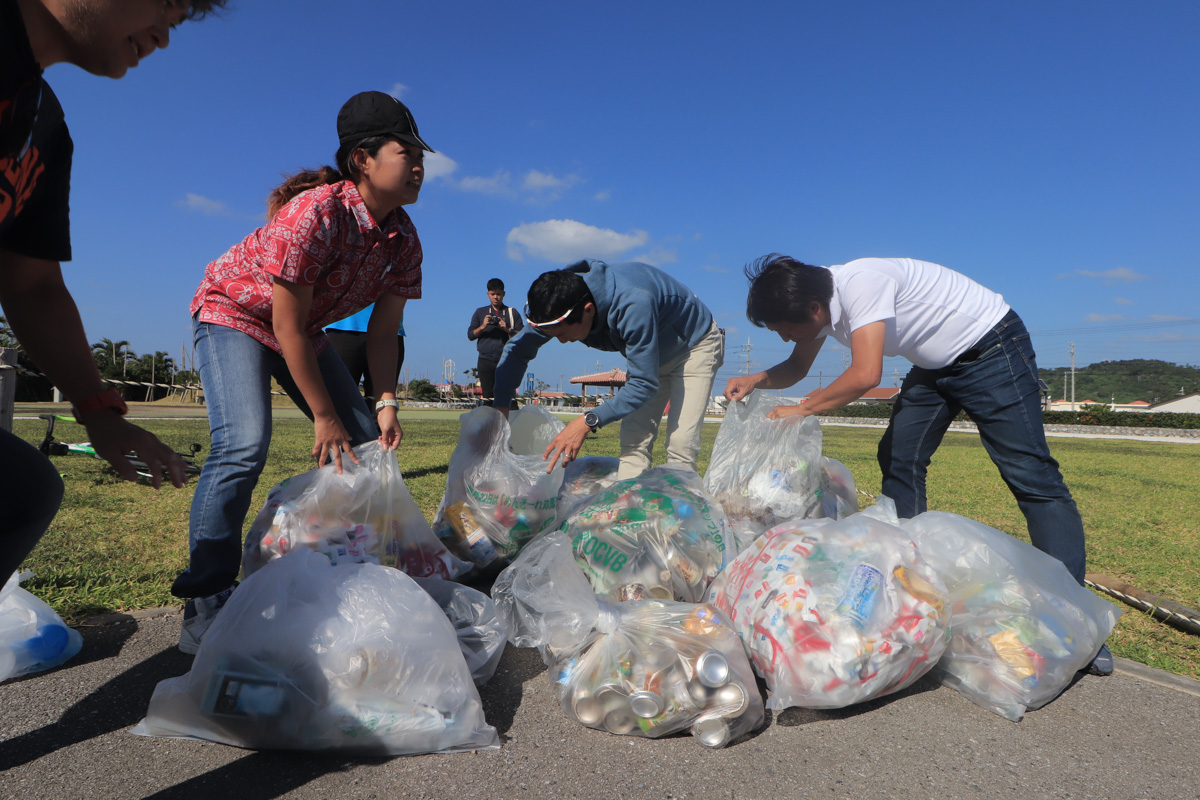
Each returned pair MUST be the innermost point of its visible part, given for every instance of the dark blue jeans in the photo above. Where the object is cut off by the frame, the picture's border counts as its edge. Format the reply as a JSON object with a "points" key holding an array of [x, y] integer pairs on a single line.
{"points": [[996, 383], [30, 494], [236, 371]]}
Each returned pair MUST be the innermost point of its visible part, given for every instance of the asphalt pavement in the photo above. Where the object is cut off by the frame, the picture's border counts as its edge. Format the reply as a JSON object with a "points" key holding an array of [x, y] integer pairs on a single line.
{"points": [[65, 734]]}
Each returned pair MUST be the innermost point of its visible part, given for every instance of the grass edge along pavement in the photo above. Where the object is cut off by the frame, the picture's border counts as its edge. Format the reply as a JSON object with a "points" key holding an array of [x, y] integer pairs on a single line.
{"points": [[116, 547]]}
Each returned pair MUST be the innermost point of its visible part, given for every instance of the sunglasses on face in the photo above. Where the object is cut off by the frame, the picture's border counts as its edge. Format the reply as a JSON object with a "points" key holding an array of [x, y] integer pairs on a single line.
{"points": [[552, 322]]}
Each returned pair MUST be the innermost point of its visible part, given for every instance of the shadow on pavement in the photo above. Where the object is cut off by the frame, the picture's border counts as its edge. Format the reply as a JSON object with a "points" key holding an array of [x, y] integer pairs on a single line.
{"points": [[117, 704], [260, 776]]}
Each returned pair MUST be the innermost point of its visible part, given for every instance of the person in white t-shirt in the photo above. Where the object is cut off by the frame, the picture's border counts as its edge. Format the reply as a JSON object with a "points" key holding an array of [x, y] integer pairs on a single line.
{"points": [[970, 352]]}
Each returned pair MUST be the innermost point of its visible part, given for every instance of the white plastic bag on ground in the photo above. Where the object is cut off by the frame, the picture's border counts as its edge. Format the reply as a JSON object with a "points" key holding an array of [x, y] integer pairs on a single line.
{"points": [[354, 658], [764, 471], [835, 612], [365, 514], [1020, 626], [481, 634], [656, 535], [32, 636], [497, 499], [643, 668]]}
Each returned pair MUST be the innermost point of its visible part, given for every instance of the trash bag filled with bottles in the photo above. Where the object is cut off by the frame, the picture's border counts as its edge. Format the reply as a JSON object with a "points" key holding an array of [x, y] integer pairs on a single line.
{"points": [[835, 612]]}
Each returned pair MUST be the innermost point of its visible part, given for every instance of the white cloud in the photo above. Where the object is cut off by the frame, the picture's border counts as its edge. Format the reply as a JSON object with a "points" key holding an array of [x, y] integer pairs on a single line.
{"points": [[536, 180], [657, 256], [714, 268], [566, 240], [1113, 276], [438, 165], [398, 91], [500, 183], [1104, 317], [602, 195], [1122, 301], [195, 202]]}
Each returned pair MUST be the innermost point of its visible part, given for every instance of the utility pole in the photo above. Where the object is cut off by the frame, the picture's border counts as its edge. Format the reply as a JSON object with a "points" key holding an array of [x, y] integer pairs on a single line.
{"points": [[746, 348], [1071, 350]]}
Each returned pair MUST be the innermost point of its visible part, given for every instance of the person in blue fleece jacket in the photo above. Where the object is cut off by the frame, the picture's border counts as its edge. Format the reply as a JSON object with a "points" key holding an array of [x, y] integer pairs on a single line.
{"points": [[672, 346]]}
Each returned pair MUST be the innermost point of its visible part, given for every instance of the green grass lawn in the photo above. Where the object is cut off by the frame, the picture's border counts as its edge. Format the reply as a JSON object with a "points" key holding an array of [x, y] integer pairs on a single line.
{"points": [[117, 546]]}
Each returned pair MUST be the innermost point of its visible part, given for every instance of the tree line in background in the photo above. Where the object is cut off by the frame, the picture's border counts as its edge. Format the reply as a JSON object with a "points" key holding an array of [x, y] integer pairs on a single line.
{"points": [[1123, 381], [139, 377]]}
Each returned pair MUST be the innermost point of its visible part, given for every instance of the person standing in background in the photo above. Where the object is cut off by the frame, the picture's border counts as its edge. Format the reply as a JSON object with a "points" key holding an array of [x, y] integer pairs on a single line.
{"points": [[348, 338], [491, 327]]}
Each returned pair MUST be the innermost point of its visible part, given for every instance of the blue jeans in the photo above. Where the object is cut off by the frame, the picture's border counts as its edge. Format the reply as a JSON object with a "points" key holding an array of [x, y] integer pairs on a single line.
{"points": [[996, 383], [30, 494], [236, 371]]}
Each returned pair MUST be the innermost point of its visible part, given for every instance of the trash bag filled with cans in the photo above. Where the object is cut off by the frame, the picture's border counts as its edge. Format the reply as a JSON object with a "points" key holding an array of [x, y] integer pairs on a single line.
{"points": [[354, 658], [364, 514], [498, 493], [1020, 626], [835, 612], [644, 668], [764, 471], [33, 636], [657, 535]]}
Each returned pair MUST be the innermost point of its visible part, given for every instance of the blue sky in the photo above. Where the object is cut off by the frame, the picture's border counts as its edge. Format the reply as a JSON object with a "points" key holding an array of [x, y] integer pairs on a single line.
{"points": [[1048, 150]]}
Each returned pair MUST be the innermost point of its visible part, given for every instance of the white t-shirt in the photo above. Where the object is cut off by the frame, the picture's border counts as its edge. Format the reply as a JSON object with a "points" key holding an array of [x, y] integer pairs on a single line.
{"points": [[933, 314]]}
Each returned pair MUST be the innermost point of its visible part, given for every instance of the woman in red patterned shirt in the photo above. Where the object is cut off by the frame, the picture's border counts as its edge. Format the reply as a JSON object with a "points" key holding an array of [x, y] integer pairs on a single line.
{"points": [[337, 241]]}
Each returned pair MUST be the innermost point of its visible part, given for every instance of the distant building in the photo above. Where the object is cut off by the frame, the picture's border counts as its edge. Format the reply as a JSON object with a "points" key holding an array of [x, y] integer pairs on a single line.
{"points": [[1188, 404]]}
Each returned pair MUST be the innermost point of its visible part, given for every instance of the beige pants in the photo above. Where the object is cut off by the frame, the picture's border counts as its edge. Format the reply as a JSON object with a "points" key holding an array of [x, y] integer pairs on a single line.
{"points": [[686, 383]]}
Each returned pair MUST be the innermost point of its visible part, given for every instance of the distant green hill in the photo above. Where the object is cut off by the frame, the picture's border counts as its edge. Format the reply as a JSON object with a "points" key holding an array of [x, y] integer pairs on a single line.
{"points": [[1124, 381]]}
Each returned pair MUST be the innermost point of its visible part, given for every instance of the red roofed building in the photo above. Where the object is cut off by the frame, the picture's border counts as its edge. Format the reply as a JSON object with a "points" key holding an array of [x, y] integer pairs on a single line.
{"points": [[613, 379]]}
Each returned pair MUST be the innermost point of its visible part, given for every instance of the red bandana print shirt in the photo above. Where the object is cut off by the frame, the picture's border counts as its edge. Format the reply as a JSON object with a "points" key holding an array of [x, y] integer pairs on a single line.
{"points": [[324, 238]]}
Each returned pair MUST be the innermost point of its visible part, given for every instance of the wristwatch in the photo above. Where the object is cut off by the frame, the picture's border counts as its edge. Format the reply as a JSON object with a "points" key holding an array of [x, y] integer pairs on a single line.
{"points": [[109, 398], [592, 421], [382, 404]]}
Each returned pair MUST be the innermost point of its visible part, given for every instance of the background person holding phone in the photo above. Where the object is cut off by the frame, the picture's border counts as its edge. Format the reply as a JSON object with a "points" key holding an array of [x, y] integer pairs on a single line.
{"points": [[491, 328]]}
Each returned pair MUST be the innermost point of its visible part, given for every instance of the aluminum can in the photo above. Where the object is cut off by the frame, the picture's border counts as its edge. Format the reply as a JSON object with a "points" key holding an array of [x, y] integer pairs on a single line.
{"points": [[588, 709], [711, 732], [646, 705], [862, 592], [620, 720], [712, 669], [730, 700]]}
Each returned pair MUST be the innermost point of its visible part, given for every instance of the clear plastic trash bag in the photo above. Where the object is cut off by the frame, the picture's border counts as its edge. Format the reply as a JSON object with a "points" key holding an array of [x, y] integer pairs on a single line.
{"points": [[835, 612], [764, 471], [1020, 626], [481, 634], [584, 477], [643, 668], [839, 495], [354, 658], [657, 535], [32, 636], [498, 496], [365, 514]]}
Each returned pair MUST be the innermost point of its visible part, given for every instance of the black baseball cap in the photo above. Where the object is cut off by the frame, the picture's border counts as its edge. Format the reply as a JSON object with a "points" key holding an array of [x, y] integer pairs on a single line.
{"points": [[377, 114]]}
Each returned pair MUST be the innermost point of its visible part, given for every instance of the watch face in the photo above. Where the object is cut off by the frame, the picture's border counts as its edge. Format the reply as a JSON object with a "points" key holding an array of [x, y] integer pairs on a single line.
{"points": [[591, 419]]}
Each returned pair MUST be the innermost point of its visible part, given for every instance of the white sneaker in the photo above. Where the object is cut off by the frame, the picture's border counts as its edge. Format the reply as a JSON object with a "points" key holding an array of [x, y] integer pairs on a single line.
{"points": [[198, 614]]}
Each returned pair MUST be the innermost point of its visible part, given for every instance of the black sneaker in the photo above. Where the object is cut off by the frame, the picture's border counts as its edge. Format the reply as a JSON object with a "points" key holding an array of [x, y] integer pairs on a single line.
{"points": [[198, 614], [1102, 664]]}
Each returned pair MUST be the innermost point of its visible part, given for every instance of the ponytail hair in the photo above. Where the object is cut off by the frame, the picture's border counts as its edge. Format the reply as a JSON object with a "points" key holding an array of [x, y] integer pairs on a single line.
{"points": [[307, 179], [301, 181]]}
